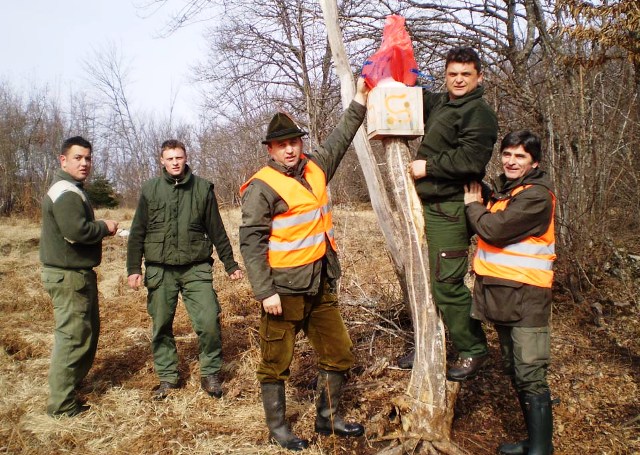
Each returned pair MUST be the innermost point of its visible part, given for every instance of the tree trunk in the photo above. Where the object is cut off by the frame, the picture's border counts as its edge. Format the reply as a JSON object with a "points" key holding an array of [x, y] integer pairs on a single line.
{"points": [[427, 407], [375, 186]]}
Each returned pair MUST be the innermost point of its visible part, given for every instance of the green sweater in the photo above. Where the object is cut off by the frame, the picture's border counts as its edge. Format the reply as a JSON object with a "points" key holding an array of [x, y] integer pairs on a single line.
{"points": [[457, 144], [260, 203], [177, 222], [71, 238]]}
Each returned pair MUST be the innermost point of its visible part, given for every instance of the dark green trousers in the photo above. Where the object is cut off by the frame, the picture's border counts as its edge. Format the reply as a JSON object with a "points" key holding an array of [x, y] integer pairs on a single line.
{"points": [[526, 355], [195, 283], [76, 317], [448, 241], [319, 317]]}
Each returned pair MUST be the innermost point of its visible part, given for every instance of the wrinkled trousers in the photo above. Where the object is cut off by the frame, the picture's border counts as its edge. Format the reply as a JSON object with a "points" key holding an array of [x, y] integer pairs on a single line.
{"points": [[195, 283], [76, 316], [318, 316], [526, 355], [448, 242]]}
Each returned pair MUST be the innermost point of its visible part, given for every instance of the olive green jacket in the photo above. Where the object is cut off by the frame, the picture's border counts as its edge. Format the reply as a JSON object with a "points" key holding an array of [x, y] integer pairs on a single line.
{"points": [[260, 203], [528, 213], [457, 144], [70, 238], [177, 222]]}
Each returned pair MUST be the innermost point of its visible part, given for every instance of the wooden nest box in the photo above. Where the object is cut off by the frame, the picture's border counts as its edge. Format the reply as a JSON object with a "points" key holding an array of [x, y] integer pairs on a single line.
{"points": [[395, 111]]}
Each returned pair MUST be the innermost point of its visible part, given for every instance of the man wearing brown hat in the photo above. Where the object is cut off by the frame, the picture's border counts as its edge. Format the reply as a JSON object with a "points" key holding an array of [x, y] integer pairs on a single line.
{"points": [[287, 242]]}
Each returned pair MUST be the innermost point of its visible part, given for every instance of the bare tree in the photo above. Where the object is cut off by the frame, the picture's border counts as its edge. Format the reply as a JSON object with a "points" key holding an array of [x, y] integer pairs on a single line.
{"points": [[124, 157], [275, 56], [128, 141], [31, 128], [545, 70]]}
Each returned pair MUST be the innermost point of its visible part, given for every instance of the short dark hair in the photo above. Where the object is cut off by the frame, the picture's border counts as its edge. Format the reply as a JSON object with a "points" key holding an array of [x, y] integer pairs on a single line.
{"points": [[464, 55], [172, 144], [528, 140], [75, 140]]}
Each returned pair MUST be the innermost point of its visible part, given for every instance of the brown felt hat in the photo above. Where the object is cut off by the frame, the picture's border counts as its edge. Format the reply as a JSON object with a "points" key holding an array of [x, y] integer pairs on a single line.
{"points": [[282, 127]]}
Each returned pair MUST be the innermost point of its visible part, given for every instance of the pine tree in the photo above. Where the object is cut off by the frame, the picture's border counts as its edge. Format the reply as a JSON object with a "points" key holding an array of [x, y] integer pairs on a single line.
{"points": [[101, 193]]}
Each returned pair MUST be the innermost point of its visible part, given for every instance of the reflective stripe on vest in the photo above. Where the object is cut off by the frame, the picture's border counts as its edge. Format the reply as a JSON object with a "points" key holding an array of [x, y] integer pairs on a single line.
{"points": [[529, 261], [298, 235]]}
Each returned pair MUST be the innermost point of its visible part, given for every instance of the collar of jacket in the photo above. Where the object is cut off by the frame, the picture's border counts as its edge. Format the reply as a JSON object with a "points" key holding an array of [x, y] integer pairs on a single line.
{"points": [[178, 182], [295, 171], [536, 176], [64, 175], [477, 93]]}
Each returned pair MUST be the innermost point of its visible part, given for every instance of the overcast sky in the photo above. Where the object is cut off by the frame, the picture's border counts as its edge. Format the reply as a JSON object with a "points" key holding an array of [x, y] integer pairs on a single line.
{"points": [[44, 42]]}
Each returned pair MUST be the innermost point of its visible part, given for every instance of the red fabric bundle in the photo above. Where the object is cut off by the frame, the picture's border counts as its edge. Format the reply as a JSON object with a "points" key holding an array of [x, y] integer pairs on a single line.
{"points": [[395, 57]]}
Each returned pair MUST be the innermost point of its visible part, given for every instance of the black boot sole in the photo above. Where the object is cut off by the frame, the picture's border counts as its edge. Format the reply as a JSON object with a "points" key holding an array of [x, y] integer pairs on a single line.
{"points": [[342, 434]]}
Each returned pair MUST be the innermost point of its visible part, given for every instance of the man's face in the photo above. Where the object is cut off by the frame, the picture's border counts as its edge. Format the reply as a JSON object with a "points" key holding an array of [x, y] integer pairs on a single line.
{"points": [[461, 78], [287, 151], [174, 161], [77, 162], [516, 162]]}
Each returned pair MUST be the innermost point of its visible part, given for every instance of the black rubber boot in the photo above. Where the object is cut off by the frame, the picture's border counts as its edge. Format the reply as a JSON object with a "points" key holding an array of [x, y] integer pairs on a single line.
{"points": [[274, 402], [329, 394], [539, 423]]}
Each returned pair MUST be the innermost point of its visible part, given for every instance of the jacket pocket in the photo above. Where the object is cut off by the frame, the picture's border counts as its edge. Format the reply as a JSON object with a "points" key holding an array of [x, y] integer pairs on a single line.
{"points": [[156, 210], [296, 279], [154, 246], [503, 299], [451, 265], [199, 244]]}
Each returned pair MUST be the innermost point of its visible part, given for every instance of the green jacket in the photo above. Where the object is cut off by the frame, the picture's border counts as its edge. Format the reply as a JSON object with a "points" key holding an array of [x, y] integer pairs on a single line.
{"points": [[529, 213], [260, 203], [177, 222], [71, 238], [457, 144]]}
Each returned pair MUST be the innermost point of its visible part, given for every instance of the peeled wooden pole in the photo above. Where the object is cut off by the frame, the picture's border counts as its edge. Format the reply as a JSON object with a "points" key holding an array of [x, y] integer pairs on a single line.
{"points": [[379, 200], [427, 407]]}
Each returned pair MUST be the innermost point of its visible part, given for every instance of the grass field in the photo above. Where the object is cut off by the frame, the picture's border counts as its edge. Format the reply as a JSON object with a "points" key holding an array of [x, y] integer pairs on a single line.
{"points": [[595, 371]]}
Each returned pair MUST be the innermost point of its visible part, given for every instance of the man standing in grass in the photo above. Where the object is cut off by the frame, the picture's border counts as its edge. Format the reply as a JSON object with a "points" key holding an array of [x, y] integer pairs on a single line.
{"points": [[70, 247], [287, 242], [176, 225]]}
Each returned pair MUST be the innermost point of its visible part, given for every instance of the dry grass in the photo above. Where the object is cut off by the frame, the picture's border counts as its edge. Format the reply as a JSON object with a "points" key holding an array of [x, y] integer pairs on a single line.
{"points": [[595, 369]]}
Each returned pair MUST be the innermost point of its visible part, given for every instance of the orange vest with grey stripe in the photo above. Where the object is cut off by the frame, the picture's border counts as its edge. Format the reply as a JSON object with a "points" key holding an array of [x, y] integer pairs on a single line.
{"points": [[298, 235], [529, 261]]}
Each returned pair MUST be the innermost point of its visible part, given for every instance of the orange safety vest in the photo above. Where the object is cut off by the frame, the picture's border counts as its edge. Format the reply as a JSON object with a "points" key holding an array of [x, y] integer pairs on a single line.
{"points": [[529, 261], [298, 235]]}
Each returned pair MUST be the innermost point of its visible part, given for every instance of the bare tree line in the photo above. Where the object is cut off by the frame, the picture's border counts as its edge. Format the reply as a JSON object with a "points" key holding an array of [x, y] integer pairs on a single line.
{"points": [[563, 68]]}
